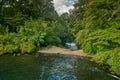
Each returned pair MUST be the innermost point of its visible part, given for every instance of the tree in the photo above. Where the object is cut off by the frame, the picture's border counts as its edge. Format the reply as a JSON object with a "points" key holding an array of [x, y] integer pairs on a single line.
{"points": [[95, 24]]}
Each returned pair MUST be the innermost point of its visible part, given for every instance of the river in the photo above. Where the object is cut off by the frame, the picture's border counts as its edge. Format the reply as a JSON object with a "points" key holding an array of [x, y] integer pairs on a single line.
{"points": [[51, 67]]}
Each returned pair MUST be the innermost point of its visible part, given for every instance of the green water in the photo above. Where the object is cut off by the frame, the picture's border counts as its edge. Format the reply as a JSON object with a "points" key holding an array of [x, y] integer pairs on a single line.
{"points": [[30, 67]]}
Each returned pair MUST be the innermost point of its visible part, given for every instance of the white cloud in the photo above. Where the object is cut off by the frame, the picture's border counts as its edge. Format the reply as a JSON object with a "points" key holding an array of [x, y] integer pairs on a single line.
{"points": [[60, 6]]}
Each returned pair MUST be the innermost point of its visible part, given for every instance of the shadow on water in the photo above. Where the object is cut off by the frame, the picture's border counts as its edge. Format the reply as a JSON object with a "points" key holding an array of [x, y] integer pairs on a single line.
{"points": [[51, 67]]}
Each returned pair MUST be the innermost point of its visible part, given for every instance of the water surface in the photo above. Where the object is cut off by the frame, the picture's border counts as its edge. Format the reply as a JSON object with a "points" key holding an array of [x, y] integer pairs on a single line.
{"points": [[50, 67]]}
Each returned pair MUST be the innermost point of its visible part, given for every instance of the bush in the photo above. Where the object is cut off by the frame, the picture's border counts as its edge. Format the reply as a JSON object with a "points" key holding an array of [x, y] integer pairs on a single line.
{"points": [[87, 47], [102, 57], [102, 40], [10, 48], [52, 40], [111, 57], [33, 31], [27, 47], [1, 49], [97, 30], [1, 29], [114, 61]]}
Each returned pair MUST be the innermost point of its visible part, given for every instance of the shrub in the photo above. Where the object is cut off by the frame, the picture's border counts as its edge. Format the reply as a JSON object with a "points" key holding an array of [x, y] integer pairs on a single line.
{"points": [[52, 40], [10, 48], [111, 57], [27, 47], [102, 40], [114, 61], [1, 49], [102, 57]]}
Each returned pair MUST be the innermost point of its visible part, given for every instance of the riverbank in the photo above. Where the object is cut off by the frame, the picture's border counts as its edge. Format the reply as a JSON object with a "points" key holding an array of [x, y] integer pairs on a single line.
{"points": [[58, 50]]}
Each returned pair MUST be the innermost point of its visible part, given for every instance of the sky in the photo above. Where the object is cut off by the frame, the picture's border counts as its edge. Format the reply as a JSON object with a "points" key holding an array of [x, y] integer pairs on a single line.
{"points": [[62, 6]]}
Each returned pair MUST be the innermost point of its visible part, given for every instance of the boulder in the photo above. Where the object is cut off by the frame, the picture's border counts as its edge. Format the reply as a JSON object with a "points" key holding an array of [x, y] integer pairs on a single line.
{"points": [[71, 46]]}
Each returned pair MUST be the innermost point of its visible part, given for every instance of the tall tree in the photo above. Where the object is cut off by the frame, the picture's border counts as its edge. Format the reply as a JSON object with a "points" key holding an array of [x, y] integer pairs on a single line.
{"points": [[21, 10]]}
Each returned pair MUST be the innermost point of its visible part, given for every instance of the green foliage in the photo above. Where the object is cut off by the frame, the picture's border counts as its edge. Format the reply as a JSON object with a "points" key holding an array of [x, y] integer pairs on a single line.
{"points": [[33, 31], [1, 49], [81, 36], [97, 29], [27, 47], [38, 38], [88, 47], [33, 34], [102, 57], [15, 13], [33, 21], [111, 57], [7, 44], [95, 24], [100, 40], [26, 40], [52, 40], [2, 29], [10, 48], [114, 61], [14, 22]]}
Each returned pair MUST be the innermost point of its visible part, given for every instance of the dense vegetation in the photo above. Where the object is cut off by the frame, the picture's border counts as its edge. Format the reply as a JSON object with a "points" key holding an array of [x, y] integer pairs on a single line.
{"points": [[95, 24], [26, 25]]}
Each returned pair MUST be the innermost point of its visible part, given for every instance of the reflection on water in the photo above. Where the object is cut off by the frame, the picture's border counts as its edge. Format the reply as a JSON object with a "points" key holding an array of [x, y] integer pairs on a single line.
{"points": [[51, 67], [62, 76]]}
